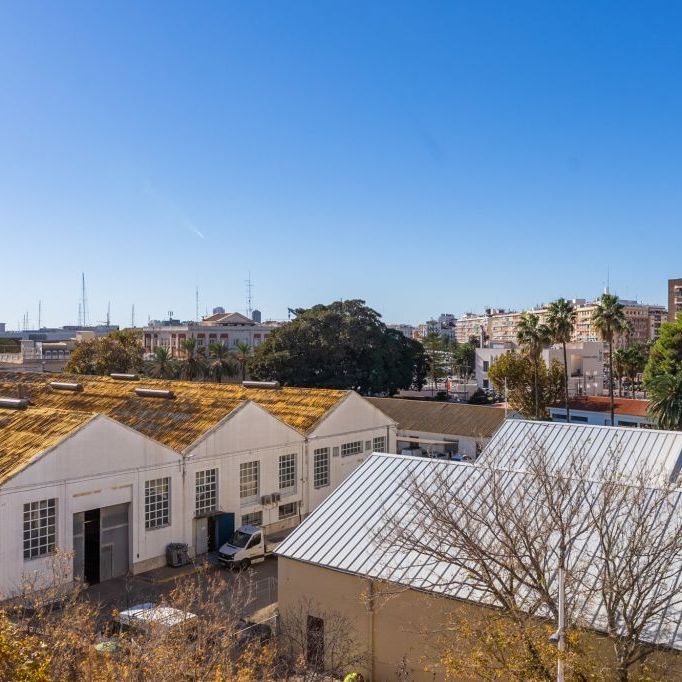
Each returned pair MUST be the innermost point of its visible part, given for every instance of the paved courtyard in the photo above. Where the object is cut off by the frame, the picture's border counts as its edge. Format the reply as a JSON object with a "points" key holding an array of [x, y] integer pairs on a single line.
{"points": [[121, 593]]}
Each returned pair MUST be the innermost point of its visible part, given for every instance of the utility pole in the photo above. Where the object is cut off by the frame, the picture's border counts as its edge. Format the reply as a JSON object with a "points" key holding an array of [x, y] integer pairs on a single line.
{"points": [[196, 314], [132, 316], [39, 313], [109, 314]]}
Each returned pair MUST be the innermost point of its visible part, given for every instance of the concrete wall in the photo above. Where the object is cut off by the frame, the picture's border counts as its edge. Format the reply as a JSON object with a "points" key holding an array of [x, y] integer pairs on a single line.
{"points": [[405, 626]]}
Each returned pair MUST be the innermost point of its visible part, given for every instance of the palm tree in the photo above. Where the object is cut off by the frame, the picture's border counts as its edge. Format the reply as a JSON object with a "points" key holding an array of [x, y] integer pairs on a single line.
{"points": [[665, 401], [620, 361], [220, 361], [242, 353], [194, 362], [635, 361], [609, 320], [561, 322], [162, 365], [533, 337]]}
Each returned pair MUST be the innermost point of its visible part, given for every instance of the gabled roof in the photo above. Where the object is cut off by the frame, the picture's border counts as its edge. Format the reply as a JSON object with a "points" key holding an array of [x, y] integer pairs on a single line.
{"points": [[597, 403], [658, 451], [341, 533], [176, 423], [20, 431], [475, 421]]}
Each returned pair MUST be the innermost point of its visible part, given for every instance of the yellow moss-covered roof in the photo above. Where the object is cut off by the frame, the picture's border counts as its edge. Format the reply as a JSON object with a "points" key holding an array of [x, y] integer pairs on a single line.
{"points": [[176, 423], [25, 433]]}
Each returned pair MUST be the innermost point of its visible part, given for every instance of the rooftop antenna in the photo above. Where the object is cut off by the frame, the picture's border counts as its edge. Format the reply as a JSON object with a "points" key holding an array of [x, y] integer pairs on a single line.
{"points": [[84, 302], [249, 296], [80, 314], [39, 313]]}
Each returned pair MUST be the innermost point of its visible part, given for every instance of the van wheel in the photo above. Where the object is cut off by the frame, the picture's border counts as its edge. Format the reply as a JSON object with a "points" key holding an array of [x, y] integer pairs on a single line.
{"points": [[244, 564]]}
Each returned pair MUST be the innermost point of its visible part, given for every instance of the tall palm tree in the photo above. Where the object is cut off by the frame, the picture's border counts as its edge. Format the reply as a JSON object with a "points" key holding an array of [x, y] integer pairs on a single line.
{"points": [[162, 365], [561, 322], [533, 337], [220, 362], [242, 353], [609, 320], [665, 401], [194, 362]]}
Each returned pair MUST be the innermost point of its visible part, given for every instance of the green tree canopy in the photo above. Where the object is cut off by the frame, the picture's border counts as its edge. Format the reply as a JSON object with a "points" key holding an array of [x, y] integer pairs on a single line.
{"points": [[665, 356], [120, 351], [341, 345], [519, 371]]}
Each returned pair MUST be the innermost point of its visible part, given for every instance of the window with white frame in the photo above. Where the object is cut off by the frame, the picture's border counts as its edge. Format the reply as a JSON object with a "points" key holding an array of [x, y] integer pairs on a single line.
{"points": [[157, 502], [353, 448], [40, 528], [287, 510], [249, 480], [287, 474], [252, 519], [379, 444], [206, 491], [321, 467]]}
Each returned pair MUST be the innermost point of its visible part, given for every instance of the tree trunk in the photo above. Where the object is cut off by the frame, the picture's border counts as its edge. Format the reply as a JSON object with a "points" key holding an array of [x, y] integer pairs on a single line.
{"points": [[568, 414], [537, 395], [611, 378]]}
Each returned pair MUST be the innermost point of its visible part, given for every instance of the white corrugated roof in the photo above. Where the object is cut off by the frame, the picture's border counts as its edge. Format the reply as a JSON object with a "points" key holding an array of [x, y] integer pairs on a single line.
{"points": [[655, 451], [341, 533]]}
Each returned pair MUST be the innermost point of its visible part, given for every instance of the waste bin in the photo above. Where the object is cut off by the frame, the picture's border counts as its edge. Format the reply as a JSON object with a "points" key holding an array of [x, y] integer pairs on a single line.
{"points": [[177, 554]]}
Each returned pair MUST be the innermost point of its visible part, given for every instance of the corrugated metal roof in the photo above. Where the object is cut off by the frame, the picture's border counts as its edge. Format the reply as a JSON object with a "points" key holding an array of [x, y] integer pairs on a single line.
{"points": [[475, 421], [653, 450], [341, 533]]}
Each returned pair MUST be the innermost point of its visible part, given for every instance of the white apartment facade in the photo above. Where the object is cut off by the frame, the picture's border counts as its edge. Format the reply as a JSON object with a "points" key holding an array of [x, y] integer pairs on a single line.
{"points": [[112, 497], [585, 364]]}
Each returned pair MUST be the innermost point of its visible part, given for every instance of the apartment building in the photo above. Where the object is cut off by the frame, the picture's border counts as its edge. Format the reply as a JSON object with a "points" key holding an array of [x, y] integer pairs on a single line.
{"points": [[226, 328], [645, 322], [115, 470], [471, 325], [674, 298], [585, 364], [406, 330]]}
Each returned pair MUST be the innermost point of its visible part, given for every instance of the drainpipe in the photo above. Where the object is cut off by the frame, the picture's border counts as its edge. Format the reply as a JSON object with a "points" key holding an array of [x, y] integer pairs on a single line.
{"points": [[305, 481]]}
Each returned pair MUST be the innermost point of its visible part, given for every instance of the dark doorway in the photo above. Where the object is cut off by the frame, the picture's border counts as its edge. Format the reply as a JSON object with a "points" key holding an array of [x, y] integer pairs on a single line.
{"points": [[315, 643], [212, 534], [91, 534]]}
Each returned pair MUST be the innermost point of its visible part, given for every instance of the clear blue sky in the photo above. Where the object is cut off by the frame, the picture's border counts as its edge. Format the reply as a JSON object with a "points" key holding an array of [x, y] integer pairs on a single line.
{"points": [[427, 157]]}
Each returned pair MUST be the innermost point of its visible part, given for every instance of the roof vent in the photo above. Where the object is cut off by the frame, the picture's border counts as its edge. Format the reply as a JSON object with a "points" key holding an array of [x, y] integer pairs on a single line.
{"points": [[261, 384], [65, 386], [124, 377], [154, 393], [14, 403]]}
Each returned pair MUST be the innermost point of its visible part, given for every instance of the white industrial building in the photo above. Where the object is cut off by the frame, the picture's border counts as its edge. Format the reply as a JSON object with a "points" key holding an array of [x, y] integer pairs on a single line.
{"points": [[115, 470]]}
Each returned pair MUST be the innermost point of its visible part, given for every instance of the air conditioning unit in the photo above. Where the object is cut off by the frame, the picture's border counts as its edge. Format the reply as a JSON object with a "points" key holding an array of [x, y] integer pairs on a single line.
{"points": [[266, 499], [276, 497]]}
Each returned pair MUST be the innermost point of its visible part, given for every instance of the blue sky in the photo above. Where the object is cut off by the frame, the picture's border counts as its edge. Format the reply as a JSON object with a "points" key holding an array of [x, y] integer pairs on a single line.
{"points": [[424, 156]]}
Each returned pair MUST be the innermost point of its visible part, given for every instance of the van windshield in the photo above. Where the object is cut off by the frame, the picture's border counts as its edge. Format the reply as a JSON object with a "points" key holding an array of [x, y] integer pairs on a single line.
{"points": [[239, 539]]}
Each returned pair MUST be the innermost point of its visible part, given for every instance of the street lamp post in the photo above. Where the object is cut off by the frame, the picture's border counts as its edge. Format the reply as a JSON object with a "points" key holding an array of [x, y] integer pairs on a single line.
{"points": [[559, 637]]}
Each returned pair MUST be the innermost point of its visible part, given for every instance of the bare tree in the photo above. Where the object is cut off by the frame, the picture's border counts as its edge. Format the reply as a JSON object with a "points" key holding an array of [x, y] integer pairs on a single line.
{"points": [[497, 533], [317, 644]]}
